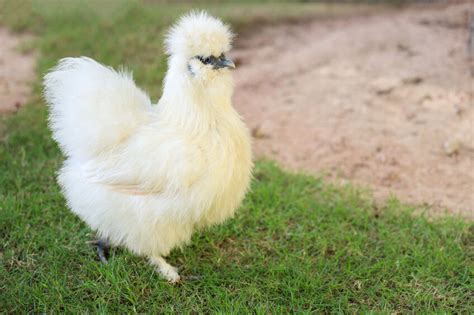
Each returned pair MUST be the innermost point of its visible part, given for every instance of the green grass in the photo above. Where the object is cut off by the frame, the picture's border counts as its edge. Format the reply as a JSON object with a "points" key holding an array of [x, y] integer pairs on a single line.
{"points": [[298, 244]]}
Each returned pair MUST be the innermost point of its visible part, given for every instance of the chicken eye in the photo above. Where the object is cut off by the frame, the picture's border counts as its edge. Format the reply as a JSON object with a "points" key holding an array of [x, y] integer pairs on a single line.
{"points": [[207, 60]]}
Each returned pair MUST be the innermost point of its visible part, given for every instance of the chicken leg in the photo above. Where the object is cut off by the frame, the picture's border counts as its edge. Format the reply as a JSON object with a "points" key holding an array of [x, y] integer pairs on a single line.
{"points": [[166, 270], [103, 248]]}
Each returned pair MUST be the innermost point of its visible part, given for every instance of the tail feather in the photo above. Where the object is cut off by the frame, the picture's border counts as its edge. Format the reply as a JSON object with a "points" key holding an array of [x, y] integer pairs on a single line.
{"points": [[92, 107]]}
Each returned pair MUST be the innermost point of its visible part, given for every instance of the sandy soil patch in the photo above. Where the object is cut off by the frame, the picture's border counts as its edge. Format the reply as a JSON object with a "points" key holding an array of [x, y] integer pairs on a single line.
{"points": [[17, 70], [384, 100]]}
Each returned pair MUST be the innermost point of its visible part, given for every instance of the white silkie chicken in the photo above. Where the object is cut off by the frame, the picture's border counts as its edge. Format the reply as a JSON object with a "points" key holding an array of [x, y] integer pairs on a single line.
{"points": [[145, 177]]}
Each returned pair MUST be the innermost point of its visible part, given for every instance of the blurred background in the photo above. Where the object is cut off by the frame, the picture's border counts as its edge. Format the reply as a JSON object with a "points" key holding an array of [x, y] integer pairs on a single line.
{"points": [[371, 97], [376, 92]]}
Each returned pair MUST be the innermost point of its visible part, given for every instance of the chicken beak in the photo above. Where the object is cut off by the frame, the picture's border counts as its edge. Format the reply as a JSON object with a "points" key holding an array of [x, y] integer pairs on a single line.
{"points": [[225, 63]]}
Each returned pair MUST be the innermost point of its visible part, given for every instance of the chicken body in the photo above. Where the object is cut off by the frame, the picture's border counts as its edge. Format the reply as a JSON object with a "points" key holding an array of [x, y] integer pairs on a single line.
{"points": [[145, 177]]}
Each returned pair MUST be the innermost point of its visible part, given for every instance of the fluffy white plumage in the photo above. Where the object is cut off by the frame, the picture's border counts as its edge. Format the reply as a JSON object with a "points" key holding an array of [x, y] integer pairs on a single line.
{"points": [[145, 177]]}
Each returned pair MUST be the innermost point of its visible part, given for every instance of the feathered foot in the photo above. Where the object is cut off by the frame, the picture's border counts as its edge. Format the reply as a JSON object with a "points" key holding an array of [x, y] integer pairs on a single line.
{"points": [[169, 272], [103, 249]]}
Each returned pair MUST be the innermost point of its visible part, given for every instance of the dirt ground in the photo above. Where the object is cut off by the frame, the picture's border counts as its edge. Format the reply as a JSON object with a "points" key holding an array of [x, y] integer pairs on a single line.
{"points": [[16, 72], [383, 100]]}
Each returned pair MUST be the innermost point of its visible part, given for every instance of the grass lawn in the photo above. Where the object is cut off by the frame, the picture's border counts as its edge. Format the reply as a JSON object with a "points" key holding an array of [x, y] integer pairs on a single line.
{"points": [[297, 244]]}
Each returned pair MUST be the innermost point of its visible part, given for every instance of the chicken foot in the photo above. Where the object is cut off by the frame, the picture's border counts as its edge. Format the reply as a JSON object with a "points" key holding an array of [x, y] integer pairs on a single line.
{"points": [[166, 270]]}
